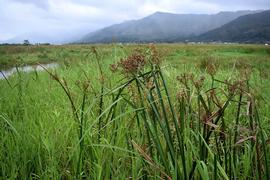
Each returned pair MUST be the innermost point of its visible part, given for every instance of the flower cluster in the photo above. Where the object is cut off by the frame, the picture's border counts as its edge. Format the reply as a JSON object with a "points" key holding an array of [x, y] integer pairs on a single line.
{"points": [[185, 78], [236, 85], [130, 65], [211, 69], [199, 83], [155, 57]]}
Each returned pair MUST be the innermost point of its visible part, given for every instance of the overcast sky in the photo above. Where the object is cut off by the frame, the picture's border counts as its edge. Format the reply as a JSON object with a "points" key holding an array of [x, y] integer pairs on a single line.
{"points": [[61, 18]]}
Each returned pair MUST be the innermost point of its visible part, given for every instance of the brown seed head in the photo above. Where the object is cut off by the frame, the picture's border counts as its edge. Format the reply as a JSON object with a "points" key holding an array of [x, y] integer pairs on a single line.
{"points": [[211, 69], [155, 57], [86, 85], [199, 83], [133, 63], [236, 86], [114, 67], [185, 78], [181, 95]]}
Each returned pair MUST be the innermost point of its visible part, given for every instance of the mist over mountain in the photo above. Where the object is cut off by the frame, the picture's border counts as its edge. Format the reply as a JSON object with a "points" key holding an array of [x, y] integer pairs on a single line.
{"points": [[34, 38], [240, 26], [162, 27], [252, 28], [53, 38]]}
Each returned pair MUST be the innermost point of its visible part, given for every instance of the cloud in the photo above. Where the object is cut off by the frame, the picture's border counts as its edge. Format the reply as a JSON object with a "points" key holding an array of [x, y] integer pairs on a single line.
{"points": [[183, 6], [67, 17], [233, 5], [251, 4], [43, 4]]}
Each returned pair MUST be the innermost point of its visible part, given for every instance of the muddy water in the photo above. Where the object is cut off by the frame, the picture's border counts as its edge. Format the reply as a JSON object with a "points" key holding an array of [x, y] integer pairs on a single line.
{"points": [[28, 68]]}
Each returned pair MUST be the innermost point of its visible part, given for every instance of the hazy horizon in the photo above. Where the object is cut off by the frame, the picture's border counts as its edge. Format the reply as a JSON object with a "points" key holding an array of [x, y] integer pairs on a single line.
{"points": [[65, 20]]}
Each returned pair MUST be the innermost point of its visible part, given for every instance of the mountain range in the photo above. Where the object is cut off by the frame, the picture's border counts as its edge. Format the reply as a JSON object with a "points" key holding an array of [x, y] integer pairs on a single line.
{"points": [[252, 28], [241, 26], [168, 27]]}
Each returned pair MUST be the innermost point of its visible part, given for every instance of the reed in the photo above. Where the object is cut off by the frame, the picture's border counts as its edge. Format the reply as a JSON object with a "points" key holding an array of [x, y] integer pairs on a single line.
{"points": [[135, 112]]}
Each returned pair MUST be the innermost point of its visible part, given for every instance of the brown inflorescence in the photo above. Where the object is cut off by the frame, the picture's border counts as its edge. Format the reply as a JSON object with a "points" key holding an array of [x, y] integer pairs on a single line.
{"points": [[198, 83], [236, 85], [155, 57], [114, 67], [211, 69], [133, 63], [185, 78]]}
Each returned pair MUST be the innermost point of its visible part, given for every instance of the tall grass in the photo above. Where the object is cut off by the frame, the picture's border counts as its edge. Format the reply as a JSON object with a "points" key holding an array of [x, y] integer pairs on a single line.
{"points": [[140, 120]]}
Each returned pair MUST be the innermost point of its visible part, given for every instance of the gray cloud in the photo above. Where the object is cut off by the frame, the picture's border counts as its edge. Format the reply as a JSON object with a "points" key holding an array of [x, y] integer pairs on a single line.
{"points": [[43, 4], [66, 18], [234, 5], [244, 3]]}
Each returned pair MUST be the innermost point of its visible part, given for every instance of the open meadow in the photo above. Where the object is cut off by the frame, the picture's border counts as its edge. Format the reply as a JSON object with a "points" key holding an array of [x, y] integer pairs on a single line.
{"points": [[126, 111]]}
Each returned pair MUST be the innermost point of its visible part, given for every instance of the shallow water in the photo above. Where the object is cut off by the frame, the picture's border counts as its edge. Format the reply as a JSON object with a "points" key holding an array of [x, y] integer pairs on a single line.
{"points": [[28, 68]]}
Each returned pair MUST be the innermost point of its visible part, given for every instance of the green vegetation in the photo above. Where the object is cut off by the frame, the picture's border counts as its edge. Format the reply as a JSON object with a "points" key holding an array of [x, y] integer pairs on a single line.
{"points": [[136, 111]]}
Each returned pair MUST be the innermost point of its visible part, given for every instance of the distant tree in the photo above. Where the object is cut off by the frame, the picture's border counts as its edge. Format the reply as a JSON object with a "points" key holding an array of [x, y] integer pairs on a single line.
{"points": [[26, 42]]}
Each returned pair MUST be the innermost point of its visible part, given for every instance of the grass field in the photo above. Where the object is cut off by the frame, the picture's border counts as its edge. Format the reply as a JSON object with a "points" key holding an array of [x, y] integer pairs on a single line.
{"points": [[165, 111]]}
